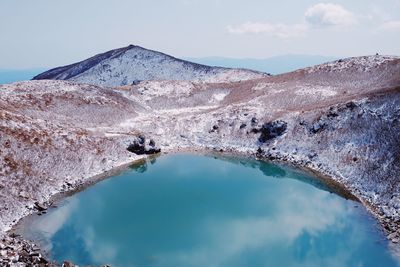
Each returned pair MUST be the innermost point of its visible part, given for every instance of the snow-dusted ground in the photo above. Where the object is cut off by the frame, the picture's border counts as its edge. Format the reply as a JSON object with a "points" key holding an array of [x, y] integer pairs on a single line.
{"points": [[361, 64], [128, 65], [345, 124]]}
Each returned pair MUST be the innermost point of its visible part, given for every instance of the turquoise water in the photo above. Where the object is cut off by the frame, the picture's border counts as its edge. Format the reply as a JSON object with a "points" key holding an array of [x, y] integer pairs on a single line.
{"points": [[192, 210]]}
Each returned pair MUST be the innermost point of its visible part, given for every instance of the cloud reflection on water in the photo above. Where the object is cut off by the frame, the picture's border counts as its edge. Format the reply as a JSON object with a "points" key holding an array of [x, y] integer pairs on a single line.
{"points": [[212, 213]]}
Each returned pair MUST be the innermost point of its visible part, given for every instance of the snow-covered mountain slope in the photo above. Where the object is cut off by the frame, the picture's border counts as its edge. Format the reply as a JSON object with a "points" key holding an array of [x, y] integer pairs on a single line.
{"points": [[131, 64], [341, 119]]}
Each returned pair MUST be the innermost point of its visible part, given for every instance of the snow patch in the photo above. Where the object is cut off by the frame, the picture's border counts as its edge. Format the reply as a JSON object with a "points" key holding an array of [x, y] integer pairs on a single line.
{"points": [[316, 91], [219, 96]]}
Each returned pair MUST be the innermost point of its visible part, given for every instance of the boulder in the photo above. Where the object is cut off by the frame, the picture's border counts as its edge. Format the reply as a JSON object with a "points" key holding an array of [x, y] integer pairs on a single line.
{"points": [[317, 127], [68, 264], [271, 130], [254, 121], [40, 207], [140, 146]]}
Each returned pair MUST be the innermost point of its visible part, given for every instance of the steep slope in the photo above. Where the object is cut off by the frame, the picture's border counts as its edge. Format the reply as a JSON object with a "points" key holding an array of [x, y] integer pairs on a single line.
{"points": [[131, 64], [340, 119]]}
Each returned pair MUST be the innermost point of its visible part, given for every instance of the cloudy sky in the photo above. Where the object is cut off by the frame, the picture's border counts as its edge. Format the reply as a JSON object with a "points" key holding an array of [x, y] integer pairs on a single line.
{"points": [[48, 33]]}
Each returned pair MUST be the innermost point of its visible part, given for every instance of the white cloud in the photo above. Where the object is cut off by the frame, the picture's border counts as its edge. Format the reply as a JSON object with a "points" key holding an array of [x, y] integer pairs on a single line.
{"points": [[274, 29], [327, 14], [319, 15], [393, 25]]}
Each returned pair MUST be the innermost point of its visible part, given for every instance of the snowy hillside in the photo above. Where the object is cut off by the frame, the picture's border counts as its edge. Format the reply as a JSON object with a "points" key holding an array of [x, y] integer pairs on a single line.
{"points": [[339, 119], [131, 64]]}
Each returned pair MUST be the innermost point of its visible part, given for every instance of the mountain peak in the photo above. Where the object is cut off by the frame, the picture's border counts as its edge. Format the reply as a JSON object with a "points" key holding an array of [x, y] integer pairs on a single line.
{"points": [[131, 64]]}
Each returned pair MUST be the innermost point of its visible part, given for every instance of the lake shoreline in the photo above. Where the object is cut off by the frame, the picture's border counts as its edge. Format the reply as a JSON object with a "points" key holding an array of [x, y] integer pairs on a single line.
{"points": [[11, 237], [56, 199]]}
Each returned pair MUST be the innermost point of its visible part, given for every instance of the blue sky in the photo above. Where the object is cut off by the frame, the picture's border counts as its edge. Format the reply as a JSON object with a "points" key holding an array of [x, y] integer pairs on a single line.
{"points": [[48, 33]]}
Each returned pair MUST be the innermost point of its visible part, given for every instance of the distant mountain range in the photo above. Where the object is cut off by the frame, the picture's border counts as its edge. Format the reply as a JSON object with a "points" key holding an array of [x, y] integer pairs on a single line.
{"points": [[132, 64], [273, 65]]}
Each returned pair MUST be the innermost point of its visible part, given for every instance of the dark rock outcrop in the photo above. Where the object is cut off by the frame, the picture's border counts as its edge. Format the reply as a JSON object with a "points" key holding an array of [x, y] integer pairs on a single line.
{"points": [[40, 207], [139, 146], [317, 127], [68, 264], [254, 121], [271, 130]]}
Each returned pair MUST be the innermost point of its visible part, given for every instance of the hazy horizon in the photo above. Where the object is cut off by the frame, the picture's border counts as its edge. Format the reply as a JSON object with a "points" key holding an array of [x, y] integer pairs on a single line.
{"points": [[273, 65], [46, 33], [187, 58]]}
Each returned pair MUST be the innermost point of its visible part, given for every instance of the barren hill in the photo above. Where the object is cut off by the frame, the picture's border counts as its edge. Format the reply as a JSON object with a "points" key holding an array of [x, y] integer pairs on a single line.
{"points": [[131, 64]]}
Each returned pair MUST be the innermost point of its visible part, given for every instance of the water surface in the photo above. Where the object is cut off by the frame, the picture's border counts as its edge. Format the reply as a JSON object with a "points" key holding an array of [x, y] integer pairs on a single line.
{"points": [[191, 210], [10, 76]]}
